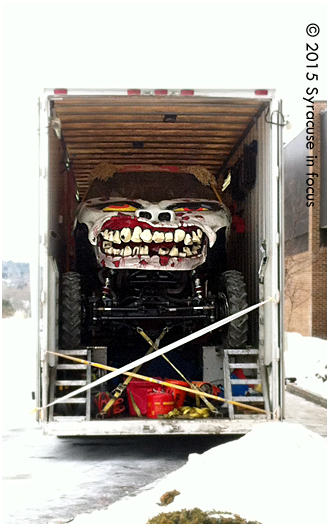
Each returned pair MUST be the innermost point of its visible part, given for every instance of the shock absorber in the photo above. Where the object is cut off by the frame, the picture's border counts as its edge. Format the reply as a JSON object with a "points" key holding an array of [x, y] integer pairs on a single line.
{"points": [[108, 294], [198, 287], [106, 289]]}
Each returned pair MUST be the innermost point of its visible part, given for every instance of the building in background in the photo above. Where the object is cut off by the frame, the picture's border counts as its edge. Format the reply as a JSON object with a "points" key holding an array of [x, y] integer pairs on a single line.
{"points": [[306, 230]]}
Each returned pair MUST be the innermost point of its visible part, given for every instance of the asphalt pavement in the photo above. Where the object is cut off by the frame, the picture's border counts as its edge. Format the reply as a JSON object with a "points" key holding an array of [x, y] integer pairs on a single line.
{"points": [[48, 480]]}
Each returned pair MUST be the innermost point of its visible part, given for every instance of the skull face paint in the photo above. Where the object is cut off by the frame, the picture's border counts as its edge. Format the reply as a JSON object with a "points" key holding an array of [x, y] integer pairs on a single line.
{"points": [[171, 234]]}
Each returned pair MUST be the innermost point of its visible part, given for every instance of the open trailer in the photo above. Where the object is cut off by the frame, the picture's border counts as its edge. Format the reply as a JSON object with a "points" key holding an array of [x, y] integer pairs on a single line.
{"points": [[160, 215]]}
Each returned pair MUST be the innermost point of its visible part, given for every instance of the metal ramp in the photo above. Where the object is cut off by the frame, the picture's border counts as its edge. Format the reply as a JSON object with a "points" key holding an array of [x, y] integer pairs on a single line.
{"points": [[63, 377], [247, 360]]}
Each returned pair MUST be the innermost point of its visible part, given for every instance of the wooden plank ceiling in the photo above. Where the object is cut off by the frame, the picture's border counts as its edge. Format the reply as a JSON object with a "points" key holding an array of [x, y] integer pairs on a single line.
{"points": [[174, 131]]}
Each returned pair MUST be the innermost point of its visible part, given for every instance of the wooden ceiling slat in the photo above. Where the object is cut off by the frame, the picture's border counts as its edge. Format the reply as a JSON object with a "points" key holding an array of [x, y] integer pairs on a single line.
{"points": [[189, 111], [173, 147], [154, 126], [149, 159], [147, 155], [163, 132], [103, 149], [152, 101], [150, 140], [129, 118], [155, 161], [144, 159]]}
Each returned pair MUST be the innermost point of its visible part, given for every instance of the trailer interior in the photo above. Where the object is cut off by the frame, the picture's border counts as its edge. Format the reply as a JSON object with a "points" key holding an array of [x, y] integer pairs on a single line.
{"points": [[167, 134]]}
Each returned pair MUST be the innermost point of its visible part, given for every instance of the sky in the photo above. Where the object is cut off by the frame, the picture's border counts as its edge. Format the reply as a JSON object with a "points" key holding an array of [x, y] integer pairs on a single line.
{"points": [[140, 45]]}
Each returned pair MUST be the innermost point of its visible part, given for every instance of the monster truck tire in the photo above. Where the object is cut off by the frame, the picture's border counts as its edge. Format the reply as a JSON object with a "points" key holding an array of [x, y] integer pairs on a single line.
{"points": [[234, 287], [71, 311]]}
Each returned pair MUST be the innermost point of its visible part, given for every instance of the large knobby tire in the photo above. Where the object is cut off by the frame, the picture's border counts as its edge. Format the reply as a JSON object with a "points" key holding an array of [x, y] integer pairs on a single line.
{"points": [[235, 333], [71, 311]]}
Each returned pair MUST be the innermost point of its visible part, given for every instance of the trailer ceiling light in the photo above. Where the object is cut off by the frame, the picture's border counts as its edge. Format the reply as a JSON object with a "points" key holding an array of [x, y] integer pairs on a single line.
{"points": [[138, 145], [134, 92], [169, 117], [261, 92], [60, 91], [161, 92], [187, 92]]}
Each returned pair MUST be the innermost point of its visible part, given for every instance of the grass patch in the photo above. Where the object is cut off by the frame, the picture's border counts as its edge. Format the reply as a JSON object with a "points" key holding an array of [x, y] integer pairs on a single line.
{"points": [[197, 516]]}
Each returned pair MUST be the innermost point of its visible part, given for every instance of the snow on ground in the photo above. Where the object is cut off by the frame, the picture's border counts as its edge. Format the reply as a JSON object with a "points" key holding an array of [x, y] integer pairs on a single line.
{"points": [[305, 358], [18, 363], [276, 474]]}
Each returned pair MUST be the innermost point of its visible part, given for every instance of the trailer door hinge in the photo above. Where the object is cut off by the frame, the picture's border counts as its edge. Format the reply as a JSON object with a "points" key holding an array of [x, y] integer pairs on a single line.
{"points": [[57, 126], [262, 262], [42, 104]]}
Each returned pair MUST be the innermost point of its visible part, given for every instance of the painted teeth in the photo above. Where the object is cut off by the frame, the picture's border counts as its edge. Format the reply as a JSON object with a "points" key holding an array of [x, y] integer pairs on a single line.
{"points": [[136, 237], [108, 235], [187, 251], [179, 235], [173, 252], [195, 238], [158, 237], [188, 240], [144, 251], [116, 238], [146, 236], [191, 240], [125, 235]]}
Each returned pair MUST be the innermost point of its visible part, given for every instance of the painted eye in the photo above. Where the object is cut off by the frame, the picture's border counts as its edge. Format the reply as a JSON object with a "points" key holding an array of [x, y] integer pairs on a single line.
{"points": [[120, 208], [185, 209]]}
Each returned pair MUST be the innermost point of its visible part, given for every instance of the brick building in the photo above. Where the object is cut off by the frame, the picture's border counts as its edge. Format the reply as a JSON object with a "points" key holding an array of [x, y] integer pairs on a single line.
{"points": [[306, 230]]}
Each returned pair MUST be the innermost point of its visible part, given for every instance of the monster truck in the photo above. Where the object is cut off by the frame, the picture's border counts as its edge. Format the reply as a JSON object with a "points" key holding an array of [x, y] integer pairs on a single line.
{"points": [[150, 252]]}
